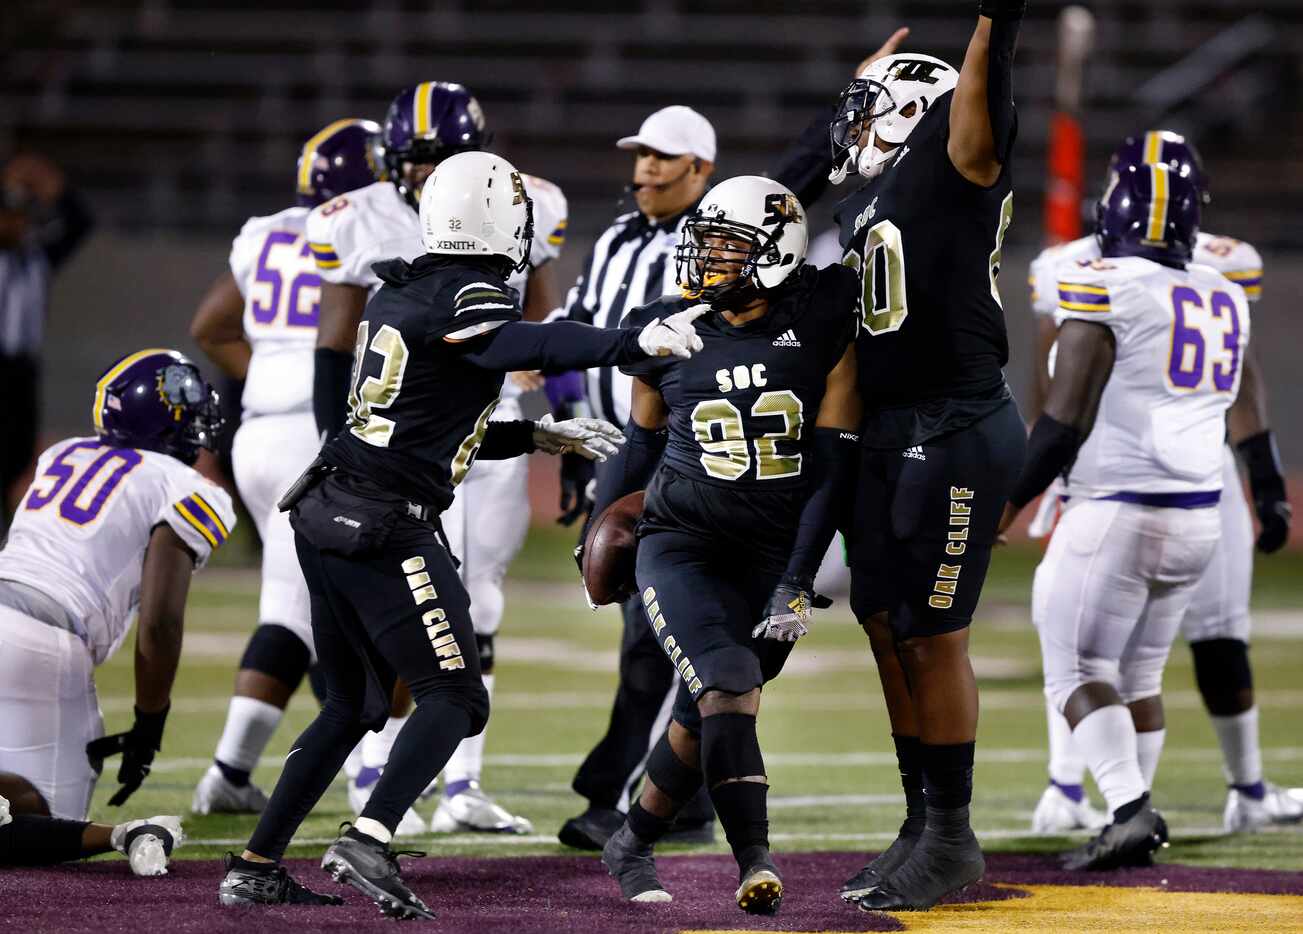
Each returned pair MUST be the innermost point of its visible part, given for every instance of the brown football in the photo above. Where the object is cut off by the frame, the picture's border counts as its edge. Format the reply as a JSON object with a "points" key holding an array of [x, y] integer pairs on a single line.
{"points": [[609, 550]]}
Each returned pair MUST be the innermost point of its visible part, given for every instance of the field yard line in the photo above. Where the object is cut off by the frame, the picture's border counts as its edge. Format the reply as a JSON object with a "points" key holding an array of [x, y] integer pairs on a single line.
{"points": [[815, 759]]}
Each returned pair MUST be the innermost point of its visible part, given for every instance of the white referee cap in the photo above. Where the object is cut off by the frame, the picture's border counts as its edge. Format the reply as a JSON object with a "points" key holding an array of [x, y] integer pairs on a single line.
{"points": [[675, 131]]}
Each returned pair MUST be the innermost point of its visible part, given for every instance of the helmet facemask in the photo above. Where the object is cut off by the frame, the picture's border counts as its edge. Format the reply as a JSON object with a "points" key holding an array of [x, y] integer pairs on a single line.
{"points": [[183, 389], [718, 261], [862, 105]]}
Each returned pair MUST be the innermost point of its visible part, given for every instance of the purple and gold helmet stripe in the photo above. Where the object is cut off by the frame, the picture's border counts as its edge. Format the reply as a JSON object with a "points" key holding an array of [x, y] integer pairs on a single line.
{"points": [[102, 387], [203, 518], [1159, 186], [325, 255], [309, 153], [1153, 151], [1080, 297], [422, 118]]}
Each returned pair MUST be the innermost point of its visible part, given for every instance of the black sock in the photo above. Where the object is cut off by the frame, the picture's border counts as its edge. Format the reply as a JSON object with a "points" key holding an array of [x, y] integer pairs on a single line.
{"points": [[423, 747], [909, 758], [647, 826], [29, 840], [248, 865], [237, 777], [730, 757], [1130, 809], [742, 810], [947, 774]]}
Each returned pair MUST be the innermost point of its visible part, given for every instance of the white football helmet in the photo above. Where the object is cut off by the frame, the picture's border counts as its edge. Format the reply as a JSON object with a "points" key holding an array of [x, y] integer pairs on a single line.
{"points": [[876, 101], [474, 204], [750, 210]]}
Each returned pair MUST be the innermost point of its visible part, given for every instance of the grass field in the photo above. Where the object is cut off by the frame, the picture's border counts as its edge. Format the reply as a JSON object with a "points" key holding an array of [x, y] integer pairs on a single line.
{"points": [[823, 728]]}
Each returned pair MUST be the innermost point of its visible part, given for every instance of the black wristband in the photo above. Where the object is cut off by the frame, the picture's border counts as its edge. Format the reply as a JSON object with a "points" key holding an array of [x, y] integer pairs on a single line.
{"points": [[1262, 459], [149, 727], [503, 440], [330, 374], [1051, 449], [1002, 9]]}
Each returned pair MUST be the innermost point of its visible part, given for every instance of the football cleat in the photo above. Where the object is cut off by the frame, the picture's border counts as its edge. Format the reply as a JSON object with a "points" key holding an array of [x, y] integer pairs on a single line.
{"points": [[1057, 813], [412, 824], [245, 888], [472, 811], [936, 867], [1130, 843], [148, 844], [1246, 813], [591, 829], [371, 867], [761, 889], [887, 862], [215, 794], [632, 864]]}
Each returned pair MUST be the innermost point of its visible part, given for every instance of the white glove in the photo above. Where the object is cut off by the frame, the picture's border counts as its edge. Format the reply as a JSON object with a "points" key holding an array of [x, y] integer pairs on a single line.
{"points": [[592, 438], [675, 335]]}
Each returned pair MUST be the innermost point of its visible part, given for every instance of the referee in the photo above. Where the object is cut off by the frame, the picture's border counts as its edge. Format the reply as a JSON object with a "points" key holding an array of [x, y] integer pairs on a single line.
{"points": [[631, 264]]}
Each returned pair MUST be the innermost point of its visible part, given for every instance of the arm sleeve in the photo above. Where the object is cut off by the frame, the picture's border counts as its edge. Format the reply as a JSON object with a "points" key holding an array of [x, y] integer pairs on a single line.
{"points": [[71, 224], [554, 347], [835, 455], [503, 440], [331, 370], [630, 469], [199, 512], [805, 166], [999, 82], [1051, 450]]}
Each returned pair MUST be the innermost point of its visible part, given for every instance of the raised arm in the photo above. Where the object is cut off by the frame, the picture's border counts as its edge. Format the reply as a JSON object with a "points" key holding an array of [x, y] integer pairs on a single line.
{"points": [[982, 118], [218, 328]]}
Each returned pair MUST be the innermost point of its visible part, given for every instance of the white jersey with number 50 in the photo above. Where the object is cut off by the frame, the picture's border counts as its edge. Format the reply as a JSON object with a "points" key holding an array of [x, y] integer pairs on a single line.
{"points": [[275, 272], [81, 531], [1180, 338]]}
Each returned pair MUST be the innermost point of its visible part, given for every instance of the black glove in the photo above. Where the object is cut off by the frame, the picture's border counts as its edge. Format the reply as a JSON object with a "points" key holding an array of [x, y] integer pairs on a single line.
{"points": [[790, 612], [137, 746], [576, 474], [1267, 483], [1002, 9]]}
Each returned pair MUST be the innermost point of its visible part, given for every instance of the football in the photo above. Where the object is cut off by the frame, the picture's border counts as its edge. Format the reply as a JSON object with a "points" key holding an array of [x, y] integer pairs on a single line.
{"points": [[609, 550]]}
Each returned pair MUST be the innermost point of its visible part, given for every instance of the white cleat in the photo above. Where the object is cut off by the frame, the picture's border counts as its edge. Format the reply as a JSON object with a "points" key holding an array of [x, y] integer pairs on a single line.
{"points": [[148, 844], [475, 812], [1244, 814], [412, 824], [1057, 813], [216, 795]]}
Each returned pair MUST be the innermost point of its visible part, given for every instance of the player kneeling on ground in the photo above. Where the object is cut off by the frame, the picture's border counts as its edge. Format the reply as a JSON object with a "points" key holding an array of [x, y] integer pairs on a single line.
{"points": [[758, 434], [29, 836], [1150, 348], [433, 348]]}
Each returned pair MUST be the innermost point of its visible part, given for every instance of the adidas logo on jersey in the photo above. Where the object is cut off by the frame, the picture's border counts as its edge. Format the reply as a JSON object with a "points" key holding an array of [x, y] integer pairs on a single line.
{"points": [[787, 339], [915, 452]]}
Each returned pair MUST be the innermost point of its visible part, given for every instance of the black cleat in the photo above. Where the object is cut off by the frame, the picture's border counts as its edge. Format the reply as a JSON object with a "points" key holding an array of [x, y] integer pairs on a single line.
{"points": [[632, 863], [591, 829], [936, 867], [1130, 843], [372, 868], [761, 889], [887, 862], [245, 888]]}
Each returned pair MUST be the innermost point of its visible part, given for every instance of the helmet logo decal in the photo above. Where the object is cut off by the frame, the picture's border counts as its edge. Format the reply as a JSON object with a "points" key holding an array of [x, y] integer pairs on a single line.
{"points": [[476, 112], [517, 186], [781, 208], [915, 69]]}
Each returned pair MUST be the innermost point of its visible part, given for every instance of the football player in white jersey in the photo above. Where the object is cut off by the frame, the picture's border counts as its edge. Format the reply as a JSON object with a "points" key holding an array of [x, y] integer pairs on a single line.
{"points": [[1216, 626], [1149, 360], [487, 522], [258, 323], [110, 530]]}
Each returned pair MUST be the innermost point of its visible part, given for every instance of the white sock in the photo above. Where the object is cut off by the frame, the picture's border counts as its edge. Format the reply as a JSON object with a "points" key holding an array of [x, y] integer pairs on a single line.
{"points": [[467, 760], [1107, 740], [373, 828], [377, 746], [1149, 748], [1067, 767], [1241, 756], [249, 725]]}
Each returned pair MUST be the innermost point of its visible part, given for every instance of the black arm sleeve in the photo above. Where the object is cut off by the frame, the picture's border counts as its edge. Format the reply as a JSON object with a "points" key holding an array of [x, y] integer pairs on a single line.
{"points": [[805, 165], [71, 223], [1006, 15], [553, 347], [631, 469], [506, 439], [1051, 450], [835, 457], [1261, 456], [330, 372]]}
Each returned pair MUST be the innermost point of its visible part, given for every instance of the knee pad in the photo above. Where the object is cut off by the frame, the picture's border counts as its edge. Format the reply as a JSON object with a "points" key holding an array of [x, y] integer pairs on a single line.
{"points": [[733, 670], [730, 748], [864, 599], [487, 603], [277, 652], [1060, 686], [1222, 671], [471, 696], [668, 773], [484, 645]]}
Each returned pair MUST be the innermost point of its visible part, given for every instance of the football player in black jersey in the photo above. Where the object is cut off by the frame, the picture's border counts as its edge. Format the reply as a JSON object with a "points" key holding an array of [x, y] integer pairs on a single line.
{"points": [[432, 349], [943, 443], [755, 441]]}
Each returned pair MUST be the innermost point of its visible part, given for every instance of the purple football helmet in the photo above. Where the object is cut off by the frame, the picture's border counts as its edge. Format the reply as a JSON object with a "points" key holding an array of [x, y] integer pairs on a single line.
{"points": [[1163, 147], [157, 400], [426, 124], [1149, 210], [339, 158]]}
